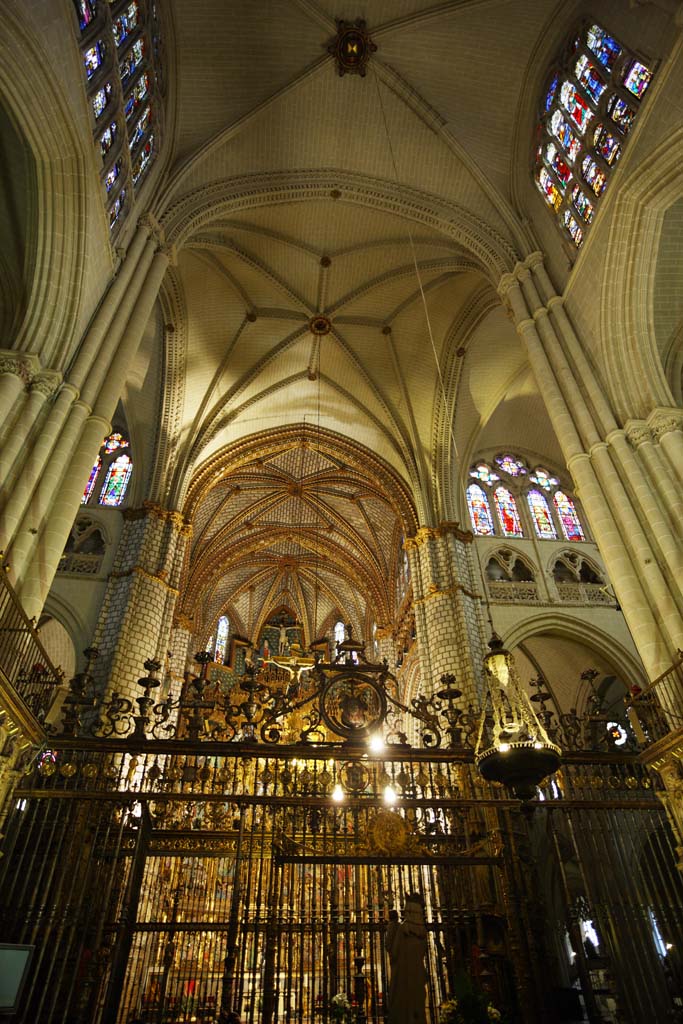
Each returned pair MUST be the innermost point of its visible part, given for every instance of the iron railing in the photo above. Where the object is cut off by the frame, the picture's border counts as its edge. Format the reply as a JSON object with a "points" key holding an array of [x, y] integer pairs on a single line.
{"points": [[25, 666], [657, 710]]}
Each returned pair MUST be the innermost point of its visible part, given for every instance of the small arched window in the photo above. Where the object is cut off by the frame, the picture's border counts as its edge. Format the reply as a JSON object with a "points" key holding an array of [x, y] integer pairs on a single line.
{"points": [[110, 474], [222, 630], [339, 632], [540, 513], [508, 516], [480, 511], [569, 521], [588, 108]]}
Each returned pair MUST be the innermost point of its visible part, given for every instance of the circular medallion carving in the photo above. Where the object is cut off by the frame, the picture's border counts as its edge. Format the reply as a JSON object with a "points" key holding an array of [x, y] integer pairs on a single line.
{"points": [[352, 705]]}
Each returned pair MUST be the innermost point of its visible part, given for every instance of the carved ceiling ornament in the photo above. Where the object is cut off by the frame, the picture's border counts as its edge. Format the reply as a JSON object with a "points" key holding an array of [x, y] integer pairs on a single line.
{"points": [[352, 48]]}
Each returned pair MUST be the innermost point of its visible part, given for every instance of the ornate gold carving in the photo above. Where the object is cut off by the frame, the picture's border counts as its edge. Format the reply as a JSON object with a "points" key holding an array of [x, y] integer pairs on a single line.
{"points": [[387, 834]]}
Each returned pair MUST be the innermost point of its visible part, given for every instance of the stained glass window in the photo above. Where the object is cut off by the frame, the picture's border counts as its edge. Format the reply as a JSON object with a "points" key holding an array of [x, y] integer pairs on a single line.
{"points": [[140, 128], [508, 516], [543, 478], [592, 73], [114, 442], [551, 192], [132, 60], [606, 145], [93, 58], [562, 169], [621, 113], [101, 99], [138, 95], [593, 175], [637, 79], [480, 513], [90, 486], [572, 227], [484, 473], [116, 208], [565, 136], [339, 632], [107, 138], [116, 481], [588, 75], [124, 24], [86, 12], [571, 527], [576, 106], [605, 48], [112, 176], [222, 631], [540, 513], [582, 204], [511, 465], [550, 95], [143, 160]]}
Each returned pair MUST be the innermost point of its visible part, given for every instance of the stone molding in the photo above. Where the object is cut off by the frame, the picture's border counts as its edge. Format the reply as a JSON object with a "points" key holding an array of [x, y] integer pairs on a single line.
{"points": [[638, 433], [156, 511], [427, 533], [139, 571], [665, 421]]}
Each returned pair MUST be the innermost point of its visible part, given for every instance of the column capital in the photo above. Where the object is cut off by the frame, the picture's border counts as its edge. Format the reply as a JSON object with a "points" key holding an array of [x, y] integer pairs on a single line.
{"points": [[46, 382], [664, 420], [18, 364], [638, 433]]}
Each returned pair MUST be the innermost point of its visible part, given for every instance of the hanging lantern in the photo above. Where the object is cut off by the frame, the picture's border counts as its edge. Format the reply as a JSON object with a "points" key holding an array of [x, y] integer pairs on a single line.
{"points": [[512, 745]]}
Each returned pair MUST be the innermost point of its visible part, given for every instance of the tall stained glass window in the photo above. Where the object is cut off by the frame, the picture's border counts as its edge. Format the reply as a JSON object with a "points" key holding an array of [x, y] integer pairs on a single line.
{"points": [[569, 521], [116, 481], [222, 630], [588, 106], [124, 82], [90, 486], [508, 516], [480, 511], [540, 513]]}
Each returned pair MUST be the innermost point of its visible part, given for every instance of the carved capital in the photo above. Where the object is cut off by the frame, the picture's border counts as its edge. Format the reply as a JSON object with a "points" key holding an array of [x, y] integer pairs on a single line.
{"points": [[46, 382], [638, 433], [183, 622], [12, 365], [662, 423]]}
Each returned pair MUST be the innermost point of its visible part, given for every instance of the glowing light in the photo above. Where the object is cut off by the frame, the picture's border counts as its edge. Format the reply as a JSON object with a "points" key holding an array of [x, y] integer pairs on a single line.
{"points": [[503, 747], [376, 744], [338, 793], [390, 796]]}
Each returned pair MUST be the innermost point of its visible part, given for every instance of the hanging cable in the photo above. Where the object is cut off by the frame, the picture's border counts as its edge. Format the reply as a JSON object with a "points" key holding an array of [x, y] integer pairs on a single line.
{"points": [[417, 269]]}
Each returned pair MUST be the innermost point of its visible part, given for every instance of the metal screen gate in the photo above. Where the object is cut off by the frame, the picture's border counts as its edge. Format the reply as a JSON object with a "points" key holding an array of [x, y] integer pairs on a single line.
{"points": [[175, 886]]}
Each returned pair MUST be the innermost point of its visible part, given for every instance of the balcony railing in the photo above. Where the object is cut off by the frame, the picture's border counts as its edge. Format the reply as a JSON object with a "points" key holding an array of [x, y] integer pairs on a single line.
{"points": [[659, 707], [25, 667]]}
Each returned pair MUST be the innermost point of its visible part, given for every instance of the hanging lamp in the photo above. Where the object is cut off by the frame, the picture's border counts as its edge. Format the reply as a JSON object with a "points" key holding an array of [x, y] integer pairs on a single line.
{"points": [[512, 745]]}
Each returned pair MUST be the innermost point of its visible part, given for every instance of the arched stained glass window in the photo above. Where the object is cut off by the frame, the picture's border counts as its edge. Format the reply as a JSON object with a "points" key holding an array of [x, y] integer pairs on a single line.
{"points": [[116, 481], [588, 106], [90, 486], [508, 516], [480, 512], [511, 465], [114, 442], [339, 632], [222, 630], [569, 521], [86, 12], [540, 513]]}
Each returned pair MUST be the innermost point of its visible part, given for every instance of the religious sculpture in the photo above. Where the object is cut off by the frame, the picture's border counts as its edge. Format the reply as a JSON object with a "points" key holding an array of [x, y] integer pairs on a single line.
{"points": [[406, 944]]}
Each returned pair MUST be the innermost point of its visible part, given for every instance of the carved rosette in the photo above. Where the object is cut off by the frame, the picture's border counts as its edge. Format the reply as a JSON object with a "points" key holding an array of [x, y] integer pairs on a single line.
{"points": [[352, 47]]}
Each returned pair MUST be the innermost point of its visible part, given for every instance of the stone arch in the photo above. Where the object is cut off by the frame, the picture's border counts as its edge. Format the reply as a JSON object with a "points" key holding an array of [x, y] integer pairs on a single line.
{"points": [[635, 374], [56, 264], [191, 212], [572, 628]]}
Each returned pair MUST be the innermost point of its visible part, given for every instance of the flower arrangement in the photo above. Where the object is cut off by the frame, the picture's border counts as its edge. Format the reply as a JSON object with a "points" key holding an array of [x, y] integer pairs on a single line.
{"points": [[340, 1008], [468, 1005]]}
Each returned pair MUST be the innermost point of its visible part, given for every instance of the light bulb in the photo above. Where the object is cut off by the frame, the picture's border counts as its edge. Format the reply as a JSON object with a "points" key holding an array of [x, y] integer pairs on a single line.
{"points": [[390, 796], [338, 793], [376, 743]]}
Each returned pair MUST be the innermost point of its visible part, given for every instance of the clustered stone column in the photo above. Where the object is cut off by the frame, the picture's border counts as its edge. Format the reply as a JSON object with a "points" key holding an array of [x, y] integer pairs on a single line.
{"points": [[634, 514], [55, 428], [137, 613], [447, 606]]}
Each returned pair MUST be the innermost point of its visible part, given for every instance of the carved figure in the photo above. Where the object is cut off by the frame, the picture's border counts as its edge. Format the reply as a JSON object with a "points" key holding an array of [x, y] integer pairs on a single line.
{"points": [[406, 945]]}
